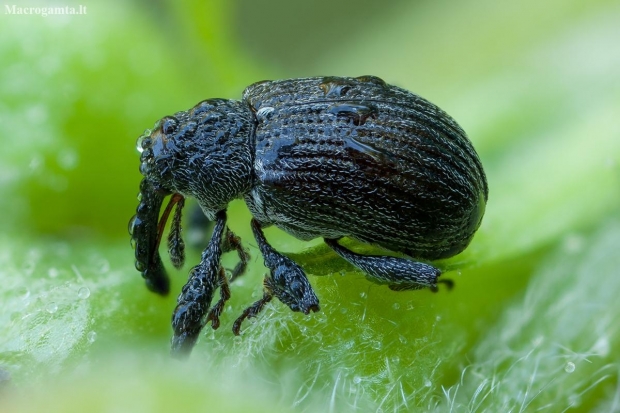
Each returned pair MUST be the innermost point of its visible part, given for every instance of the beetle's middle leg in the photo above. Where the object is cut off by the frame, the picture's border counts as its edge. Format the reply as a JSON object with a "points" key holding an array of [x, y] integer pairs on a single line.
{"points": [[397, 273], [287, 281]]}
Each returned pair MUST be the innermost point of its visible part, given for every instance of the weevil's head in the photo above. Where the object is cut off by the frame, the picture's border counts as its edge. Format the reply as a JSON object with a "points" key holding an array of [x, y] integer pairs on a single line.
{"points": [[289, 283], [204, 153]]}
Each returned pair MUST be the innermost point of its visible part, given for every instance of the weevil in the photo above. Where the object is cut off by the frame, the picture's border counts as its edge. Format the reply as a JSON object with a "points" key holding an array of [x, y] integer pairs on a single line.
{"points": [[328, 157]]}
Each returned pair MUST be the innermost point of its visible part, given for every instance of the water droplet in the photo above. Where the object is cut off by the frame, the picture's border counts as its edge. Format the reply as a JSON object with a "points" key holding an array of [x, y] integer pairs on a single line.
{"points": [[67, 159], [140, 266], [348, 345], [36, 163], [396, 306], [395, 359], [377, 81], [361, 150], [320, 317], [23, 293], [363, 295], [377, 345], [357, 379], [51, 308], [610, 162], [103, 267], [139, 144], [144, 168], [574, 400], [132, 242], [143, 141], [91, 336], [37, 114], [335, 86], [83, 293], [402, 339], [355, 113], [133, 223], [427, 383], [263, 113], [569, 367], [602, 346], [28, 267], [15, 315], [53, 272], [573, 244]]}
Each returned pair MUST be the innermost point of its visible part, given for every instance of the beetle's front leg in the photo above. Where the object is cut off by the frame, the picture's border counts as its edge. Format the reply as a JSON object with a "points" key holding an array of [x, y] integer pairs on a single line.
{"points": [[398, 273], [230, 242], [195, 298], [287, 281]]}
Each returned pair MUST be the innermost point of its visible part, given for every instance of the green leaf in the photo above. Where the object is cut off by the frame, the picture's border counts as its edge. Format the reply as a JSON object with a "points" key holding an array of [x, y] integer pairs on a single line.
{"points": [[539, 100], [555, 345]]}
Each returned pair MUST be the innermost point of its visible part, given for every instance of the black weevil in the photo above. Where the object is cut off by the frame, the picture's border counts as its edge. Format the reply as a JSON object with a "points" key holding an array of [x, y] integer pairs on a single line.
{"points": [[327, 157]]}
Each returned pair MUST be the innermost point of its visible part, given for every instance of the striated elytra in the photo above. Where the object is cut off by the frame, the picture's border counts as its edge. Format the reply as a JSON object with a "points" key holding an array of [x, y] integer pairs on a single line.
{"points": [[326, 157]]}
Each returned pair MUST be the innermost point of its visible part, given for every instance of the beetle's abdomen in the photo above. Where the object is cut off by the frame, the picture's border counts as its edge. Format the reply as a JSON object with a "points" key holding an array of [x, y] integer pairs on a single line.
{"points": [[357, 157]]}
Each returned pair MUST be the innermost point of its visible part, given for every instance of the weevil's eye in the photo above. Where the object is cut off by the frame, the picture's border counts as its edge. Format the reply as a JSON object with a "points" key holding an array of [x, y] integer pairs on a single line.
{"points": [[168, 125]]}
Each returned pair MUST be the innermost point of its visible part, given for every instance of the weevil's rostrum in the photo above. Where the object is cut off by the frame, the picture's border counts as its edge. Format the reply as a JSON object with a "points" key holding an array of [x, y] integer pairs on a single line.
{"points": [[326, 157]]}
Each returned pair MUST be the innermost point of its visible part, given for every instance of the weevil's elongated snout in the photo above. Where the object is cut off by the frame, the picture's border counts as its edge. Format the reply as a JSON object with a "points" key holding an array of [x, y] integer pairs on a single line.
{"points": [[158, 150], [143, 228]]}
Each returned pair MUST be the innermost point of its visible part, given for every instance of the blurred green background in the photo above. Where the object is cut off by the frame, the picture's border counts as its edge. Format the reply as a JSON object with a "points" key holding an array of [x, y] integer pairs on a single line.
{"points": [[531, 324]]}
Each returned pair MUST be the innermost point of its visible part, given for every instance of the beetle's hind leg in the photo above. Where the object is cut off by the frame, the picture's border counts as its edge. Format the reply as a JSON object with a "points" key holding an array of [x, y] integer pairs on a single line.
{"points": [[216, 310], [398, 273], [232, 242]]}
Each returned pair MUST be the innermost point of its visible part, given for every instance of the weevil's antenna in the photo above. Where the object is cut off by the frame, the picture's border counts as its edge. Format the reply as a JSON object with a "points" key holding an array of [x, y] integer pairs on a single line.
{"points": [[176, 245]]}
